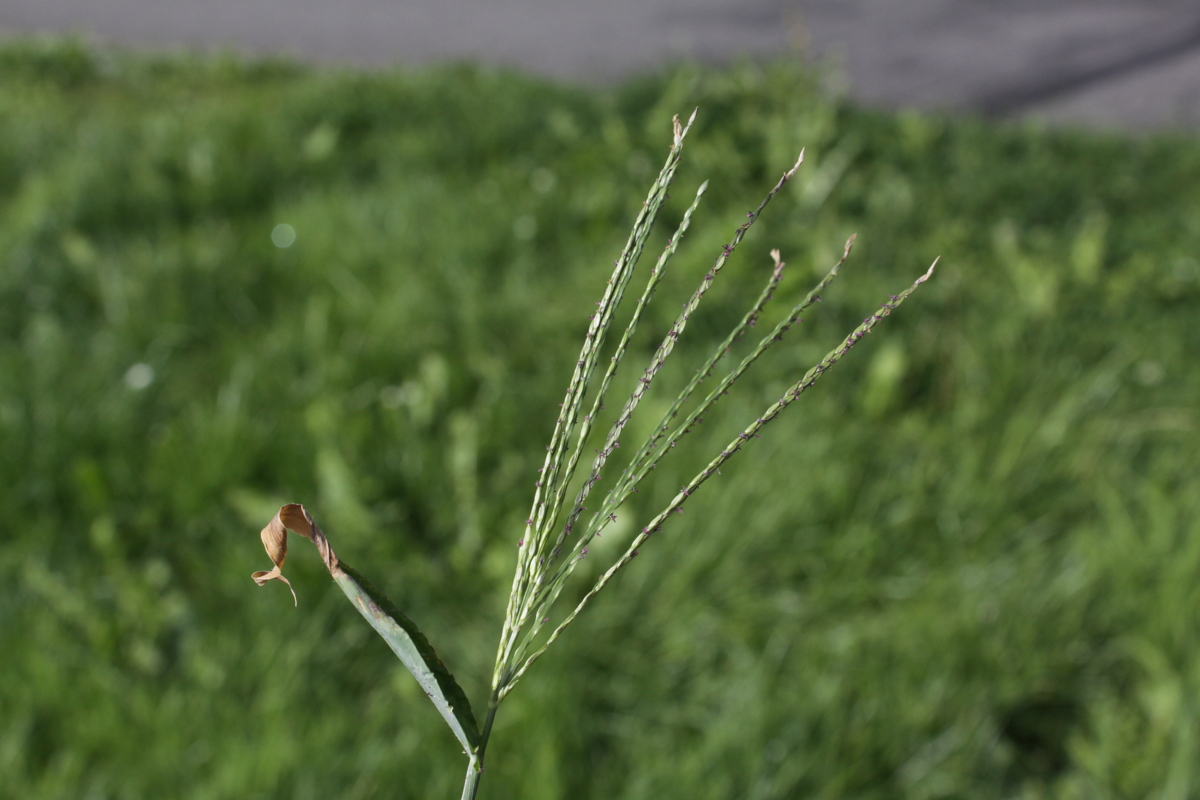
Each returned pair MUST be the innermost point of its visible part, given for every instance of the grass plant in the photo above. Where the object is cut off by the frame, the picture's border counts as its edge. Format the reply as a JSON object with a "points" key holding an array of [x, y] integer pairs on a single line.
{"points": [[555, 539]]}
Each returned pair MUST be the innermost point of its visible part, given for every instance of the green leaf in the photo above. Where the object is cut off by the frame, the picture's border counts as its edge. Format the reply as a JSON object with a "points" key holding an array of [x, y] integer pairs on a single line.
{"points": [[400, 632], [407, 642]]}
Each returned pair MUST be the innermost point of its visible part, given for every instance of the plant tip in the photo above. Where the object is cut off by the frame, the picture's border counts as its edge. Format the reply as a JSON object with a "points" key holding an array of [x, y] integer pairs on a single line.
{"points": [[796, 166]]}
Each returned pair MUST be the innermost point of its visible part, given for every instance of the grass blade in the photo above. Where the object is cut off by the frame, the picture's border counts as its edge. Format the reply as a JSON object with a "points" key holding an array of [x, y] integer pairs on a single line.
{"points": [[411, 647], [400, 632]]}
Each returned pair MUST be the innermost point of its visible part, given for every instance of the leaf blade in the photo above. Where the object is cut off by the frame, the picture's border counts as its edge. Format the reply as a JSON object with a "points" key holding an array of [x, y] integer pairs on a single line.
{"points": [[414, 650], [401, 633]]}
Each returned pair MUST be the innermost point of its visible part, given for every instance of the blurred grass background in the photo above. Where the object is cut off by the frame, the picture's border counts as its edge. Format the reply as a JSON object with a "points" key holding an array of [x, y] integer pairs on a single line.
{"points": [[964, 566]]}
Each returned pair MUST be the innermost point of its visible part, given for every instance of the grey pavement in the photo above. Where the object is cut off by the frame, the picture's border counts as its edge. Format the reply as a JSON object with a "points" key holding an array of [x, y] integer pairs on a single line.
{"points": [[1132, 64]]}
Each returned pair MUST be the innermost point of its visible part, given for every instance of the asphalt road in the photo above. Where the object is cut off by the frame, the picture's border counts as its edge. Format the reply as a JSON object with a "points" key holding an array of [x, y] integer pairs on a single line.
{"points": [[1131, 64]]}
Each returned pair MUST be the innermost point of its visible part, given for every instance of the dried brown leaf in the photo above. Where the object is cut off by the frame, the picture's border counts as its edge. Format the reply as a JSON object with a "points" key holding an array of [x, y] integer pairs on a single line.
{"points": [[297, 519], [292, 517]]}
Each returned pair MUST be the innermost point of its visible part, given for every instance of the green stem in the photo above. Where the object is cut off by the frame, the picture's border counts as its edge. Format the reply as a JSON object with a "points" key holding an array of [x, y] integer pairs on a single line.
{"points": [[475, 765]]}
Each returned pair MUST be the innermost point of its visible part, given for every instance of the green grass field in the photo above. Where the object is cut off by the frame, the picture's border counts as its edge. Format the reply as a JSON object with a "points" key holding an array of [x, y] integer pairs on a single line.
{"points": [[966, 565]]}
